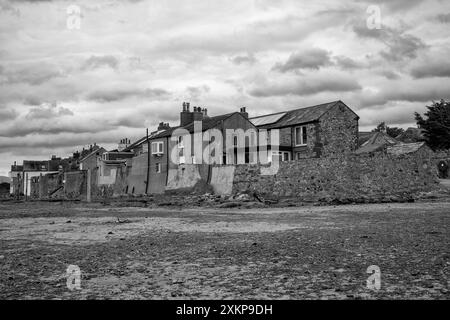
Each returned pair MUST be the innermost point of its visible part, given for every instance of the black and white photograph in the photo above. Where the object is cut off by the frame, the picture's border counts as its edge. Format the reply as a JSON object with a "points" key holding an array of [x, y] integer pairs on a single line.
{"points": [[238, 152]]}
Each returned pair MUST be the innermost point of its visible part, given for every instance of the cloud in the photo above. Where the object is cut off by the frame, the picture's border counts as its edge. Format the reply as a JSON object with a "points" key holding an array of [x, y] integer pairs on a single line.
{"points": [[33, 74], [48, 111], [95, 62], [400, 45], [196, 92], [346, 63], [432, 68], [389, 74], [408, 91], [7, 7], [245, 59], [7, 114], [110, 95], [395, 5], [32, 101], [307, 86], [443, 18], [313, 58]]}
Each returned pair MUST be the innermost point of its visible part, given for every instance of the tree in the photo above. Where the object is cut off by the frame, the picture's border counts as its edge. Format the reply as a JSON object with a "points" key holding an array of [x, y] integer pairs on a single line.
{"points": [[436, 125], [393, 132]]}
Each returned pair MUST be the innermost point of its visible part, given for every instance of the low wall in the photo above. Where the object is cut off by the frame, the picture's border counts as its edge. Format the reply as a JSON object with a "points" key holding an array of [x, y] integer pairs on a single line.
{"points": [[222, 179], [184, 177], [351, 178], [137, 176], [75, 185]]}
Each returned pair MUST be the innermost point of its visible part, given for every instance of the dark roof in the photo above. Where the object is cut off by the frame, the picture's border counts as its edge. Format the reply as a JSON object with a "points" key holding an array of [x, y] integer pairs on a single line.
{"points": [[101, 149], [301, 115], [363, 136], [404, 148], [207, 123], [377, 141]]}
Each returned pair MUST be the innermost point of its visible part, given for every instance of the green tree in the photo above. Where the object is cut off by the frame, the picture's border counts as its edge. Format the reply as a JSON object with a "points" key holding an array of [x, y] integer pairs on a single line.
{"points": [[436, 125]]}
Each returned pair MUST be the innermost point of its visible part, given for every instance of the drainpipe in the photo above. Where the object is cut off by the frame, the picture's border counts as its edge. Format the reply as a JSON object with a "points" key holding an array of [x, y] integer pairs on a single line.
{"points": [[148, 164]]}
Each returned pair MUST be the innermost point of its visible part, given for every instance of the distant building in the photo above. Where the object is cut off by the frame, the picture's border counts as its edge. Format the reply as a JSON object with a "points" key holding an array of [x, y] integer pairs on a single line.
{"points": [[411, 135], [90, 161], [378, 141], [21, 174]]}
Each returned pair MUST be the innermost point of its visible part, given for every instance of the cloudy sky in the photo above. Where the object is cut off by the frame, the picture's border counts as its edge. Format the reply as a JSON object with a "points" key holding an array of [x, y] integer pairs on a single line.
{"points": [[131, 64]]}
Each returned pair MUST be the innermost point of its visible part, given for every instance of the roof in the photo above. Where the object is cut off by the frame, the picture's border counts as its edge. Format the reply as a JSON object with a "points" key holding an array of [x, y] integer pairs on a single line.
{"points": [[93, 152], [207, 123], [141, 140], [404, 148], [267, 119], [298, 116], [363, 136], [376, 142], [411, 135]]}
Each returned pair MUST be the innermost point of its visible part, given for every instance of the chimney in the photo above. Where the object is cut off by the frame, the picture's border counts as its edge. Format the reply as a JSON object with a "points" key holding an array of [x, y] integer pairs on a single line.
{"points": [[244, 112], [163, 126], [123, 143], [186, 116], [198, 114]]}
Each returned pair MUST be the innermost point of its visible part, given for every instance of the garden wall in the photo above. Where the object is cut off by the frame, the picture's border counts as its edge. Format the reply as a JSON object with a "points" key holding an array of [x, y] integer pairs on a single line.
{"points": [[344, 179]]}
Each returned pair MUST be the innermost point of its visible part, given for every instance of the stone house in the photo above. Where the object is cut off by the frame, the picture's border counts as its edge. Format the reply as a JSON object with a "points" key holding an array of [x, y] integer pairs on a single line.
{"points": [[317, 131]]}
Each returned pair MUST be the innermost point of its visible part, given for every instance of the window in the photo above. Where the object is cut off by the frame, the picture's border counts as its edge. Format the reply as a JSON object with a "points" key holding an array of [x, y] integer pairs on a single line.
{"points": [[158, 167], [180, 142], [301, 136], [283, 155], [158, 147], [180, 145]]}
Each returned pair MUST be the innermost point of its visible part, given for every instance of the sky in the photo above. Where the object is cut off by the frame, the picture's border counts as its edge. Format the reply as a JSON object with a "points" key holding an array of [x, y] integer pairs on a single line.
{"points": [[77, 72]]}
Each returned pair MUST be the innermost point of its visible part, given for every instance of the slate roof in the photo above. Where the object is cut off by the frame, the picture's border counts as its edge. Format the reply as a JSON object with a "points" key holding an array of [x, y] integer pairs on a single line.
{"points": [[207, 123], [363, 136], [100, 149], [376, 142], [301, 115], [404, 148]]}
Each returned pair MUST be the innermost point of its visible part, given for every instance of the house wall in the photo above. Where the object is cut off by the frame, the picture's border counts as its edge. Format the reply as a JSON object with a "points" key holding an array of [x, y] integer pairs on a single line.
{"points": [[313, 144], [137, 175], [157, 181], [338, 131], [236, 121]]}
